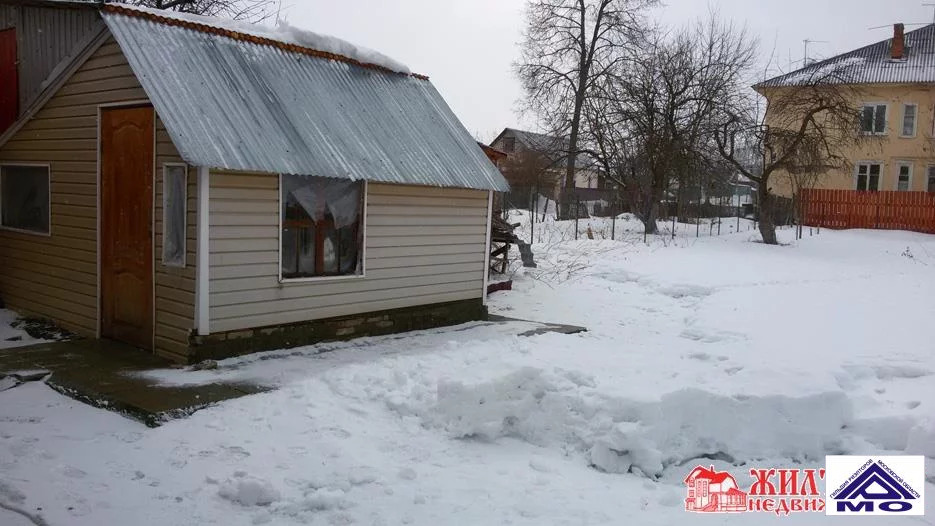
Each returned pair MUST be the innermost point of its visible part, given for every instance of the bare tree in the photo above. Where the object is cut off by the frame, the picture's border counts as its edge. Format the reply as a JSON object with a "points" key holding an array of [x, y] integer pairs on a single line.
{"points": [[569, 46], [652, 124], [530, 168], [806, 130], [247, 10]]}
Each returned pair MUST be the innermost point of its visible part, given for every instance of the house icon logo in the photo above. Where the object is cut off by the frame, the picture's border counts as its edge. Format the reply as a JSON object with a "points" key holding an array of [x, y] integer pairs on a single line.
{"points": [[876, 486], [711, 491]]}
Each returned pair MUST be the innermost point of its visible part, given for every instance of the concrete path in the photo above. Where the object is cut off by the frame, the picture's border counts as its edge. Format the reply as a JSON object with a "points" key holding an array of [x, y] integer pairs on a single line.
{"points": [[104, 374], [560, 328]]}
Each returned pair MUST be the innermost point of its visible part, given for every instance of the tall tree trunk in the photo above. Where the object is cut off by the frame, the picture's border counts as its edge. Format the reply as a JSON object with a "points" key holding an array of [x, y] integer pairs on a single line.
{"points": [[566, 208], [766, 225], [647, 215]]}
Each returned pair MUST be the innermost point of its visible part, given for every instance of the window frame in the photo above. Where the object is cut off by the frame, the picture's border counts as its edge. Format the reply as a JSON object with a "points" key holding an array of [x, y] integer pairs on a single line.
{"points": [[184, 263], [899, 165], [886, 117], [512, 143], [857, 166], [929, 176], [48, 169], [915, 121], [363, 243]]}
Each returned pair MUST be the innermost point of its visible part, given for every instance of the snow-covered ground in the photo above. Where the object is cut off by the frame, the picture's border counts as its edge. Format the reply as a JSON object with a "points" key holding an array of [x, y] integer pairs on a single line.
{"points": [[11, 336], [713, 350]]}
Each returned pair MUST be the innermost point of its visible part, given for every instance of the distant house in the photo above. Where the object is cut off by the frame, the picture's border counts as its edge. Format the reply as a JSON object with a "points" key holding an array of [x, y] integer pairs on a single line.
{"points": [[713, 491], [894, 80], [198, 189], [551, 153], [496, 156]]}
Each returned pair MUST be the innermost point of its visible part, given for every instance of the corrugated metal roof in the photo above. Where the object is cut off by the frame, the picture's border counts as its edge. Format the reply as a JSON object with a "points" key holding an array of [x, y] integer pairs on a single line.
{"points": [[233, 104], [871, 64]]}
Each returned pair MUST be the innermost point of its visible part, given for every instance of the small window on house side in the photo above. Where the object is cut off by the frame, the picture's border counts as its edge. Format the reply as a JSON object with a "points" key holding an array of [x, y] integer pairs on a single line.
{"points": [[909, 120], [868, 177], [174, 209], [931, 179], [873, 119], [24, 198], [509, 144], [322, 227], [903, 176]]}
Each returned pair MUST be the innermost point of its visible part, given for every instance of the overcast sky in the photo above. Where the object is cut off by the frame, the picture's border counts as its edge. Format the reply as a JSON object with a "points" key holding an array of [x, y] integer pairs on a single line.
{"points": [[467, 46]]}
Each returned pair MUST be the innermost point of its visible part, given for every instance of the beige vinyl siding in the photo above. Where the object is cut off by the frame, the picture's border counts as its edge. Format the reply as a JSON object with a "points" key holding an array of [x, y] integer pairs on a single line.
{"points": [[56, 276], [175, 286], [424, 245]]}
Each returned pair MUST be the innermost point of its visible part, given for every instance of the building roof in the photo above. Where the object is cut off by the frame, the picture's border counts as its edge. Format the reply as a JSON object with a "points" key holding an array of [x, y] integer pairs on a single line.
{"points": [[539, 142], [492, 152], [549, 145], [239, 99], [871, 64]]}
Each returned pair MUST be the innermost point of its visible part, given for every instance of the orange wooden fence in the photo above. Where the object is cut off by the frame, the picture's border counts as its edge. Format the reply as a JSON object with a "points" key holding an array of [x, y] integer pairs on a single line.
{"points": [[884, 210]]}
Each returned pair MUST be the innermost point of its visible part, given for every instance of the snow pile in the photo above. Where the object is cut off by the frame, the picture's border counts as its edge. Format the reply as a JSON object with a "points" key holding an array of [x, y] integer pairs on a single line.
{"points": [[921, 440], [248, 491], [284, 32], [570, 411]]}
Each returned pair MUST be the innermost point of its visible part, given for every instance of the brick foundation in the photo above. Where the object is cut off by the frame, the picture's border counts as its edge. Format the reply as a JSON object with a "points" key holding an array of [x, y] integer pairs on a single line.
{"points": [[239, 342]]}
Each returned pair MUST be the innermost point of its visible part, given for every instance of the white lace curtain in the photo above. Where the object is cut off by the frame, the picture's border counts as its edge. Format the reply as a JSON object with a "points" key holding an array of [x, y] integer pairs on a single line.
{"points": [[318, 195]]}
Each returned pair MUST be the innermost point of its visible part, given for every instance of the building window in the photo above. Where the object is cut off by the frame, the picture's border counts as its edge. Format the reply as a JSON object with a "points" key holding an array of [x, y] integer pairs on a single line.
{"points": [[24, 198], [931, 179], [322, 227], [910, 111], [174, 210], [873, 118], [868, 177], [509, 144], [903, 177]]}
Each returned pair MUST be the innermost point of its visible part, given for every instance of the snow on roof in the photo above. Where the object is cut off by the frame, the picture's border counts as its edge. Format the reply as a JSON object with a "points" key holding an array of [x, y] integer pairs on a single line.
{"points": [[870, 64], [286, 34]]}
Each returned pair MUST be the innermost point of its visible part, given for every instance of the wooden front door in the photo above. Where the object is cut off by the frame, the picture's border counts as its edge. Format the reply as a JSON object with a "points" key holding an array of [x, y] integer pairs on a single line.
{"points": [[126, 225]]}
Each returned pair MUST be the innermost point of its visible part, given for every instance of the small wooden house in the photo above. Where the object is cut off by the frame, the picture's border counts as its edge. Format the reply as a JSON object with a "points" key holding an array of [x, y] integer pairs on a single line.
{"points": [[199, 188]]}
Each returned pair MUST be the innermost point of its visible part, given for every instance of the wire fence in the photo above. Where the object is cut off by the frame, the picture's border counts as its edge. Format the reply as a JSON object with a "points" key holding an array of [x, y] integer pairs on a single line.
{"points": [[709, 216]]}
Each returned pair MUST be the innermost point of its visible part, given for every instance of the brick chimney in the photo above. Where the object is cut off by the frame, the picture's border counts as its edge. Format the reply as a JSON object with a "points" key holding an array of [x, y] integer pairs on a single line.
{"points": [[899, 42]]}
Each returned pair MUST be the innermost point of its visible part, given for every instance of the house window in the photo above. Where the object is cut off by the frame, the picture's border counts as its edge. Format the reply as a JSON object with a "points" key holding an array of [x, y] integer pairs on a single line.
{"points": [[322, 227], [174, 209], [873, 118], [931, 179], [24, 198], [903, 177], [910, 111], [509, 144], [868, 176]]}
